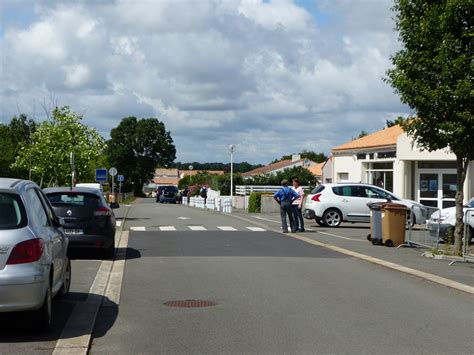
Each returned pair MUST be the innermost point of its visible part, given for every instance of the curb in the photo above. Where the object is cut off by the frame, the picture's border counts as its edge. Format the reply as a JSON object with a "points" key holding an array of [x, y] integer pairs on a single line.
{"points": [[421, 274]]}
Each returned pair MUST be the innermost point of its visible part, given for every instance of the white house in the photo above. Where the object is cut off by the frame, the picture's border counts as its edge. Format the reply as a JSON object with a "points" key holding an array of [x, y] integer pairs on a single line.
{"points": [[390, 159], [277, 167]]}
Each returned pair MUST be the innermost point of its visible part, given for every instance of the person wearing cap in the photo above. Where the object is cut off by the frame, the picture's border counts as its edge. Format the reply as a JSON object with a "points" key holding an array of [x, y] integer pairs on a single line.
{"points": [[285, 197], [297, 205]]}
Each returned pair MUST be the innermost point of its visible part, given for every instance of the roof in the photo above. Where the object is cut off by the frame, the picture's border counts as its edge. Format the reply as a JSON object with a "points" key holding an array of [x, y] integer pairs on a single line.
{"points": [[166, 172], [195, 172], [166, 180], [317, 170], [86, 190], [384, 138], [269, 168]]}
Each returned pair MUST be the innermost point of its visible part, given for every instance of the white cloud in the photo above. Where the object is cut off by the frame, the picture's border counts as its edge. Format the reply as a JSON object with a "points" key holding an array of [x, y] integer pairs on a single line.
{"points": [[268, 76]]}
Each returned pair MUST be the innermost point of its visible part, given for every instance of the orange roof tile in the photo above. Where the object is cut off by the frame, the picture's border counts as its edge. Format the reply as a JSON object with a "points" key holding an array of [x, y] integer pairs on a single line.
{"points": [[195, 172], [383, 138], [166, 180], [317, 170]]}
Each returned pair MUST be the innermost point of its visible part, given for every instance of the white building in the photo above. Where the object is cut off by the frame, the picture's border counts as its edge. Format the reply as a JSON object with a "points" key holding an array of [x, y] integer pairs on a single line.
{"points": [[389, 159]]}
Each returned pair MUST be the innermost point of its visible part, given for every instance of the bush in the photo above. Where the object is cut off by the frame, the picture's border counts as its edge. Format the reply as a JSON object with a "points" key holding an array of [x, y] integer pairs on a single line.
{"points": [[255, 201]]}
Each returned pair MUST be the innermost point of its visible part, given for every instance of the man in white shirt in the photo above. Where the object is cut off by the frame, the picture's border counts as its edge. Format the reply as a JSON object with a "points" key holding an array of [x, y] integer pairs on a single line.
{"points": [[297, 206]]}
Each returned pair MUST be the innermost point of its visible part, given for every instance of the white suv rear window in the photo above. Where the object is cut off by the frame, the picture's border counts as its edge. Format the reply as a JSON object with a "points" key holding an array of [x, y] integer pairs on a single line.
{"points": [[12, 212]]}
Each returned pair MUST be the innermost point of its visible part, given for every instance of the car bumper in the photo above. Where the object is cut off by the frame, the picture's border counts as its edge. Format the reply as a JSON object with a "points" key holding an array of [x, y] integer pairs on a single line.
{"points": [[90, 241], [21, 291], [309, 214], [443, 229], [168, 199]]}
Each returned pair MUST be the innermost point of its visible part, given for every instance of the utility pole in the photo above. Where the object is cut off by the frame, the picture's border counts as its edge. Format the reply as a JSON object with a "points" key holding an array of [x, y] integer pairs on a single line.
{"points": [[232, 149]]}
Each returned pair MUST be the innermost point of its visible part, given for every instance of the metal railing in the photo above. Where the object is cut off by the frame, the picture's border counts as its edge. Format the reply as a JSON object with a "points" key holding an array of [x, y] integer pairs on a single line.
{"points": [[467, 249], [423, 230], [244, 190]]}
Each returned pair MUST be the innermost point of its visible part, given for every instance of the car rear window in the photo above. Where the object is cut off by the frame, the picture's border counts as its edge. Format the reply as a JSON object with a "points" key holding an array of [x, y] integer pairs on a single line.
{"points": [[317, 189], [171, 189], [73, 199], [12, 212]]}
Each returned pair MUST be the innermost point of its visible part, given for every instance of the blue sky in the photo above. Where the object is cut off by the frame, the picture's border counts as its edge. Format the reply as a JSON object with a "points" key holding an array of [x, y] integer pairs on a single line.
{"points": [[273, 77]]}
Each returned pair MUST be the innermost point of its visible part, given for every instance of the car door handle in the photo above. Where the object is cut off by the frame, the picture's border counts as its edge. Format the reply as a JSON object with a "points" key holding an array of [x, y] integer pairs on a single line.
{"points": [[345, 200]]}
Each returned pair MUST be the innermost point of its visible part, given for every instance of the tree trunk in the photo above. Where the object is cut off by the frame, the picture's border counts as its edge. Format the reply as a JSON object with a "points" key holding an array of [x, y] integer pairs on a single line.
{"points": [[462, 164]]}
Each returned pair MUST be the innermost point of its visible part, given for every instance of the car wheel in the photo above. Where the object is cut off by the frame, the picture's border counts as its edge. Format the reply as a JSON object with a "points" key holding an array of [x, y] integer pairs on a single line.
{"points": [[66, 280], [43, 316], [320, 222], [332, 218]]}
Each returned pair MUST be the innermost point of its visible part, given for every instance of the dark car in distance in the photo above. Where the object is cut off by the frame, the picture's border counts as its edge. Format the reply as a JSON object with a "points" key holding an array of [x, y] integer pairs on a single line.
{"points": [[89, 222], [167, 194]]}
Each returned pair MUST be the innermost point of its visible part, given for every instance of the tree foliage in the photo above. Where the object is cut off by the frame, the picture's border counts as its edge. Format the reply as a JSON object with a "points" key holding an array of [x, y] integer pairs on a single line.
{"points": [[238, 167], [433, 74], [7, 158], [137, 147], [48, 152], [400, 120], [303, 174]]}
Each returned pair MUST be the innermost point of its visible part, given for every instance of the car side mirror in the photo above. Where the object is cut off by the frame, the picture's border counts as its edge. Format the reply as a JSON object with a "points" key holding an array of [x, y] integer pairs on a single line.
{"points": [[114, 205]]}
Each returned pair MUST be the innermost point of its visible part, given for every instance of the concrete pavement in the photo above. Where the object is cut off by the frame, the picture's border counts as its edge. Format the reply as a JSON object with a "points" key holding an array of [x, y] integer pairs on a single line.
{"points": [[274, 295]]}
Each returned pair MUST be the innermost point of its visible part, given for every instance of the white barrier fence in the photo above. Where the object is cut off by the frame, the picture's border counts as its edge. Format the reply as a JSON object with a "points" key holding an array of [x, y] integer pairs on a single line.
{"points": [[244, 190], [215, 204]]}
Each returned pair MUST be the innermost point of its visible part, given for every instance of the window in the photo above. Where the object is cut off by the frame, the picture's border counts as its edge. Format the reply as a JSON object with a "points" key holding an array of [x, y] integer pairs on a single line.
{"points": [[73, 199], [12, 212], [380, 174], [437, 165], [343, 176], [349, 191], [317, 189], [38, 214], [373, 192]]}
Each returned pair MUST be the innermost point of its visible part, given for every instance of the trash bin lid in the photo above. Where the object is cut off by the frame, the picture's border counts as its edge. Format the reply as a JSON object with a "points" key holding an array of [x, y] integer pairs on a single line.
{"points": [[376, 206], [394, 206]]}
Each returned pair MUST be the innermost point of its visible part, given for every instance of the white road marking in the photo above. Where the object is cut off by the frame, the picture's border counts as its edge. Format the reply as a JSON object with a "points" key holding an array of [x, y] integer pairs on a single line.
{"points": [[183, 218], [341, 237], [138, 229], [266, 219], [256, 229], [118, 223], [167, 229], [197, 228], [114, 287], [227, 229]]}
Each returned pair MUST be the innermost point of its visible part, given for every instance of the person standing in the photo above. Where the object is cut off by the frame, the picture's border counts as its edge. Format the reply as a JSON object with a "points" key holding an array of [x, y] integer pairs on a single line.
{"points": [[285, 197], [297, 205]]}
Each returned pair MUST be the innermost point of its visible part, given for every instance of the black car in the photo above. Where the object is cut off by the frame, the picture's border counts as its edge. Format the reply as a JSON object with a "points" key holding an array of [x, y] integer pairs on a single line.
{"points": [[89, 220], [168, 194]]}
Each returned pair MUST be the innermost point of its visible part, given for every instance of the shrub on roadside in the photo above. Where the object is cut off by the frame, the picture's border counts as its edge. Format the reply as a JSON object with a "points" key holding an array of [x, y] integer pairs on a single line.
{"points": [[255, 201]]}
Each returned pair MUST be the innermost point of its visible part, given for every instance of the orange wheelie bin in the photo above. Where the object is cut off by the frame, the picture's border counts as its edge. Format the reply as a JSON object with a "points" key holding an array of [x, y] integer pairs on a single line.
{"points": [[394, 220]]}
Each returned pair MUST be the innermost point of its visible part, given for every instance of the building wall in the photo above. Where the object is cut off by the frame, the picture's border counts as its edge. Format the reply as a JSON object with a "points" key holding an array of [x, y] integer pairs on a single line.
{"points": [[346, 167], [327, 172], [406, 150]]}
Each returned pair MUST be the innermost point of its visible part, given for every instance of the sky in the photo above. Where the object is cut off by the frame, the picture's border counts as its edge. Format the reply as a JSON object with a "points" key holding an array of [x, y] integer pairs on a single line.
{"points": [[272, 77]]}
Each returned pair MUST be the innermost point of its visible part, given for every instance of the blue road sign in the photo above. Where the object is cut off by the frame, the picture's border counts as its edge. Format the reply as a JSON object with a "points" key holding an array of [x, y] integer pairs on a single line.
{"points": [[120, 178], [101, 175]]}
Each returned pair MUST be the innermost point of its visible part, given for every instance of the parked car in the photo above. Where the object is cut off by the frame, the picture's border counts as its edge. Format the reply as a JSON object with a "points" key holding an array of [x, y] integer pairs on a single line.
{"points": [[34, 266], [89, 220], [168, 194], [447, 220], [331, 204]]}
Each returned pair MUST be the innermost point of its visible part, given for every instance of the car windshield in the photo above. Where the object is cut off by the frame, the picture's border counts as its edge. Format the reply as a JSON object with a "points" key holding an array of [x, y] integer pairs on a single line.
{"points": [[317, 189], [12, 212], [470, 203], [73, 199], [170, 190]]}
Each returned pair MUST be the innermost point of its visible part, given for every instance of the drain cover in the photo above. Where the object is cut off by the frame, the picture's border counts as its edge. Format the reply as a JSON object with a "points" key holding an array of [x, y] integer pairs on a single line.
{"points": [[190, 304]]}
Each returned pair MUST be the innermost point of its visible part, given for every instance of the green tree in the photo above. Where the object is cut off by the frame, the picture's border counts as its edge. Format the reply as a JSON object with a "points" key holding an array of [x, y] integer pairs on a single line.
{"points": [[7, 158], [433, 74], [397, 121], [362, 134], [137, 147], [48, 153]]}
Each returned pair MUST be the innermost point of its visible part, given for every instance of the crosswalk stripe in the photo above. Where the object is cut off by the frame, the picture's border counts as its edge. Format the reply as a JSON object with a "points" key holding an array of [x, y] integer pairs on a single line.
{"points": [[138, 229], [197, 228], [118, 223], [167, 229], [227, 229], [256, 229]]}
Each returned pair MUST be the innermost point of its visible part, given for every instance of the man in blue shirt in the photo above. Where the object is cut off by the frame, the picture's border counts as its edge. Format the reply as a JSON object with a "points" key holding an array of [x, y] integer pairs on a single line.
{"points": [[285, 197]]}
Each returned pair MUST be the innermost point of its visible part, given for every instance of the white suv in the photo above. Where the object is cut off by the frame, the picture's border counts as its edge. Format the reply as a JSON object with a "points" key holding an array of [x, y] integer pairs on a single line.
{"points": [[331, 204]]}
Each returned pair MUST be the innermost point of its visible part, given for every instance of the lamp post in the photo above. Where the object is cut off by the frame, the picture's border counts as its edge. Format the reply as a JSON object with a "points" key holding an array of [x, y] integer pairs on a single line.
{"points": [[232, 149]]}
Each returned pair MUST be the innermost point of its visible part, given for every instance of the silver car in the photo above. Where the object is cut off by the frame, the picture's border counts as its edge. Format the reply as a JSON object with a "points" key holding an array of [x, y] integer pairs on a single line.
{"points": [[34, 266]]}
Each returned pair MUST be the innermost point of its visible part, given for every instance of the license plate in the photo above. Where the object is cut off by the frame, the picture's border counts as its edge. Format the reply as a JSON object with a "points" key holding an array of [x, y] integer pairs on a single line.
{"points": [[74, 231]]}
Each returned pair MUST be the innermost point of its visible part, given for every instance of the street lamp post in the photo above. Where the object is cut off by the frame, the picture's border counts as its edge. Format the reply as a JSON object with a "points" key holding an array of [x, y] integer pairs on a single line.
{"points": [[232, 149]]}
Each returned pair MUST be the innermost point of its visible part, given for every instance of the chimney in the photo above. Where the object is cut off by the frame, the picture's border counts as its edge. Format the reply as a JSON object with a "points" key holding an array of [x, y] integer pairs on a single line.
{"points": [[295, 157]]}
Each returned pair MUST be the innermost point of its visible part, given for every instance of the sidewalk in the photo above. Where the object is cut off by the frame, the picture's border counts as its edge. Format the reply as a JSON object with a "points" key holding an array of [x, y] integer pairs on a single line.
{"points": [[353, 237]]}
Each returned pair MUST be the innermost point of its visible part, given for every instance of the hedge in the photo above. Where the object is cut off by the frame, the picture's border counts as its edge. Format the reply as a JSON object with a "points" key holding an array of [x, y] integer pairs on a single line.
{"points": [[255, 201]]}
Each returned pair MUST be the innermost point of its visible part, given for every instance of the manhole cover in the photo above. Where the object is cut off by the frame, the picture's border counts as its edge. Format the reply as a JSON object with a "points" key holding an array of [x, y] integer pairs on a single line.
{"points": [[190, 304]]}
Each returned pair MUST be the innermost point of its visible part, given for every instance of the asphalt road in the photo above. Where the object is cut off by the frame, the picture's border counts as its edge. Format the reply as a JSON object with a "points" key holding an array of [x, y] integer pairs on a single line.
{"points": [[273, 294]]}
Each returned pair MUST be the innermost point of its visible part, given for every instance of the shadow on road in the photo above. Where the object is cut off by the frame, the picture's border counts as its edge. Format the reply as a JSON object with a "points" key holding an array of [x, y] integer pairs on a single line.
{"points": [[18, 327]]}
